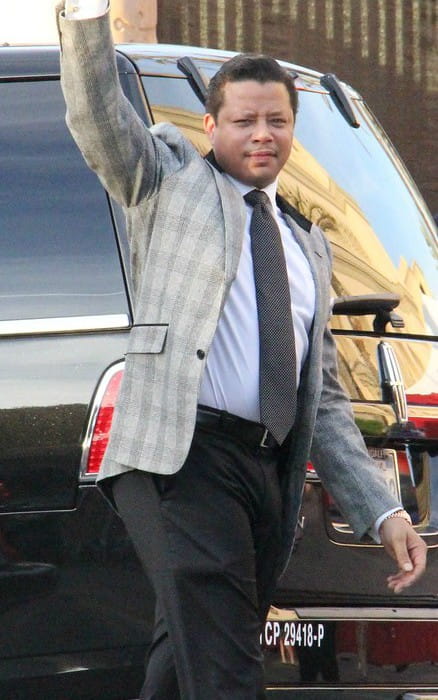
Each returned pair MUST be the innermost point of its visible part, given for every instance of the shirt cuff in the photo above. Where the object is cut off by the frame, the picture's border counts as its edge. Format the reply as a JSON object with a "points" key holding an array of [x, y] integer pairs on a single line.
{"points": [[85, 9], [374, 530]]}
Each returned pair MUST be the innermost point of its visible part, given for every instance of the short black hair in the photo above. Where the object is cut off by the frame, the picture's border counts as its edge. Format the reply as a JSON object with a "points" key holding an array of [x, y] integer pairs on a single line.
{"points": [[246, 66]]}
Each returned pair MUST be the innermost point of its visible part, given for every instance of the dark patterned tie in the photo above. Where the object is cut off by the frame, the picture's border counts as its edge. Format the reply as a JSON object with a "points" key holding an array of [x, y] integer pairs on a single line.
{"points": [[278, 389]]}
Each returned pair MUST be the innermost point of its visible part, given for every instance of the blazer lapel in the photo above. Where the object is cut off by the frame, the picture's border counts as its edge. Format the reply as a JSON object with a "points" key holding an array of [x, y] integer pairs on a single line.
{"points": [[234, 214], [316, 256]]}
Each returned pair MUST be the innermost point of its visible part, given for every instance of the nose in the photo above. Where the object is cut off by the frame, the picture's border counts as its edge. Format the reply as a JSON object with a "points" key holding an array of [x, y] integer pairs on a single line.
{"points": [[262, 131]]}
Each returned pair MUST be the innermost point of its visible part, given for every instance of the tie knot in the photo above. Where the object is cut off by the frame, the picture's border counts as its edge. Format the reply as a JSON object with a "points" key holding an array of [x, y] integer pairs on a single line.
{"points": [[255, 197]]}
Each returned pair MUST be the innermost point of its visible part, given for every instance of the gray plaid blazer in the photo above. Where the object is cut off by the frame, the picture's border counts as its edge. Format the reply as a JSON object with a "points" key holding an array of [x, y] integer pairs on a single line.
{"points": [[185, 224]]}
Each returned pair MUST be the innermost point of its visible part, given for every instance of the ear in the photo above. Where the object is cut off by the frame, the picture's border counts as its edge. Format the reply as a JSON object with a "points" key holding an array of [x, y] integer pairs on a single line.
{"points": [[209, 126]]}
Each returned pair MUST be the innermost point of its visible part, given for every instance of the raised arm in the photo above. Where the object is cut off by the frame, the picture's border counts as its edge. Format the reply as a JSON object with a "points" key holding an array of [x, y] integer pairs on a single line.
{"points": [[116, 144]]}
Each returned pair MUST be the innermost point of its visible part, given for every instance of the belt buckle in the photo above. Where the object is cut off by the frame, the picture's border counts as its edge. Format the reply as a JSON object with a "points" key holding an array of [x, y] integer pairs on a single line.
{"points": [[263, 442]]}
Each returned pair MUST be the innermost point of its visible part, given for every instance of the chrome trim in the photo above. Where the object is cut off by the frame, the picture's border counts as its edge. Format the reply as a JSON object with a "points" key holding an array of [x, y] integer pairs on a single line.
{"points": [[85, 478], [8, 513], [349, 692], [64, 324], [312, 477], [421, 530], [392, 381], [361, 613]]}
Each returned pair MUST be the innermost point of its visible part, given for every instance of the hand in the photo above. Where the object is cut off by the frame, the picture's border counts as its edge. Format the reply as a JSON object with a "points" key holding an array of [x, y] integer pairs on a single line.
{"points": [[407, 548]]}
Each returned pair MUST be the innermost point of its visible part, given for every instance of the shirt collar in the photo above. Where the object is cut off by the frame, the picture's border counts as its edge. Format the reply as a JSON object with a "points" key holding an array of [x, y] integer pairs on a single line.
{"points": [[270, 190]]}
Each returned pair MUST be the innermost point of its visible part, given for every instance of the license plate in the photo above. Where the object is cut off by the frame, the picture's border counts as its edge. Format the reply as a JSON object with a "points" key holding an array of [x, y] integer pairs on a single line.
{"points": [[290, 633], [386, 462]]}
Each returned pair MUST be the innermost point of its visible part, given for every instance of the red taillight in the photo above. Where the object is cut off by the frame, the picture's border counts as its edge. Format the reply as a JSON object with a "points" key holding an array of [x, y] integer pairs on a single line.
{"points": [[402, 462], [423, 413], [429, 426], [423, 399], [100, 422], [311, 474]]}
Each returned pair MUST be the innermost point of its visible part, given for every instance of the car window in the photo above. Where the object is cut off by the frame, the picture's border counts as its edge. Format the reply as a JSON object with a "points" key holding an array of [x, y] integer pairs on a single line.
{"points": [[58, 252], [172, 92], [173, 100]]}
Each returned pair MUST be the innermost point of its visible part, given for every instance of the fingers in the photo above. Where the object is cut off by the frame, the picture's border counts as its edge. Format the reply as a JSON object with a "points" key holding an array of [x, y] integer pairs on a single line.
{"points": [[409, 551]]}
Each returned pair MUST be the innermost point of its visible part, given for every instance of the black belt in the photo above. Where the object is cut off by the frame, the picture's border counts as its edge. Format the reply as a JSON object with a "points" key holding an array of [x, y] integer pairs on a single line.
{"points": [[250, 433]]}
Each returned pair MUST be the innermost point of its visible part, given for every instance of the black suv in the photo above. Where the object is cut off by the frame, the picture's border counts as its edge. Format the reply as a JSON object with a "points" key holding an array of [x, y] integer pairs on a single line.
{"points": [[71, 625]]}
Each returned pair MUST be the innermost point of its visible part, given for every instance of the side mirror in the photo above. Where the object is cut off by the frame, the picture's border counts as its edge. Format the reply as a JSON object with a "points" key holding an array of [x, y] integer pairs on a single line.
{"points": [[380, 305]]}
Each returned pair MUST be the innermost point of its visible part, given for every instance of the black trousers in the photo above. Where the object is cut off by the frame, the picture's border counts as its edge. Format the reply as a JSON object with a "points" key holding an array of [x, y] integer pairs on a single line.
{"points": [[209, 539]]}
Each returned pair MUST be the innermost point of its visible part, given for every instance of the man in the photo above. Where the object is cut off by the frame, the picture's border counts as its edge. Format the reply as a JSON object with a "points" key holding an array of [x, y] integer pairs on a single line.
{"points": [[230, 378]]}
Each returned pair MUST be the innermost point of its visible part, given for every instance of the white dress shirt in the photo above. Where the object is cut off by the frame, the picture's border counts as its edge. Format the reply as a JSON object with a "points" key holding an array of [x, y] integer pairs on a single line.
{"points": [[230, 379]]}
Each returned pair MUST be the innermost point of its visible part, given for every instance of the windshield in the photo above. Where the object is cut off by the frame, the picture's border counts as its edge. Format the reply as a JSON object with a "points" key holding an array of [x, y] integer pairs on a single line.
{"points": [[371, 184]]}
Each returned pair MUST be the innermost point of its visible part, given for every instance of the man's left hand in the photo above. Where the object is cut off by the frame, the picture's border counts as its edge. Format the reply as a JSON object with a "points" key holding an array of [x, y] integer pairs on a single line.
{"points": [[407, 548]]}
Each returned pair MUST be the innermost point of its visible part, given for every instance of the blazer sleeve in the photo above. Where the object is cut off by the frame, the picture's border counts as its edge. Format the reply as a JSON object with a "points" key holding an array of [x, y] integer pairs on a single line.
{"points": [[130, 162], [339, 452]]}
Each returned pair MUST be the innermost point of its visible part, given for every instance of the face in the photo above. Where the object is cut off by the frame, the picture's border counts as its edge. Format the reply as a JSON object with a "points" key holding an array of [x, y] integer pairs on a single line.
{"points": [[252, 135]]}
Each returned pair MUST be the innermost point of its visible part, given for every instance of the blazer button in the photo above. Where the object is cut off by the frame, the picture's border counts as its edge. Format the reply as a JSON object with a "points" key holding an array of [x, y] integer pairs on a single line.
{"points": [[200, 354]]}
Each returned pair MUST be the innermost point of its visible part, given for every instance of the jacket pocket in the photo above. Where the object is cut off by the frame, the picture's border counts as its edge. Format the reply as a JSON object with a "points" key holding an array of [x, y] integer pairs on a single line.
{"points": [[147, 339]]}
